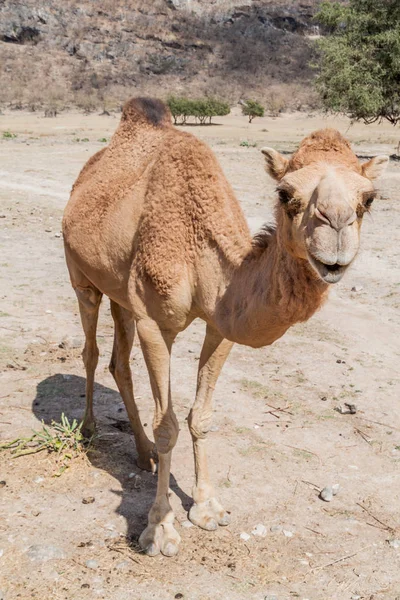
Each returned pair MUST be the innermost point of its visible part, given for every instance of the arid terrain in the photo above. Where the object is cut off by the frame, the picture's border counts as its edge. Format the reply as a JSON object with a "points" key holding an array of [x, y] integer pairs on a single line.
{"points": [[277, 438]]}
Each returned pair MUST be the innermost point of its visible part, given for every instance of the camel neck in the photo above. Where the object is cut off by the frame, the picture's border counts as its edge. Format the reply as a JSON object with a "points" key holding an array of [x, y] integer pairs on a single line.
{"points": [[268, 293]]}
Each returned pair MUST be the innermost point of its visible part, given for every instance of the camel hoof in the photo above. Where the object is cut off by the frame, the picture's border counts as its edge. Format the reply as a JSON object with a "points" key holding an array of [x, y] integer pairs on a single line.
{"points": [[208, 515], [88, 429], [148, 459], [160, 538]]}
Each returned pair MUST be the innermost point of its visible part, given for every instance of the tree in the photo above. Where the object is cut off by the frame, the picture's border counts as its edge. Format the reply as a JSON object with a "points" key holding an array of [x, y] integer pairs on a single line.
{"points": [[180, 109], [201, 109], [252, 108], [359, 59]]}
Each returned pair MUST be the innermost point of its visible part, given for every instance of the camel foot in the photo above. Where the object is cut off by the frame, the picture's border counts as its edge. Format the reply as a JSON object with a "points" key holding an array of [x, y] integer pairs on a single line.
{"points": [[88, 428], [160, 538], [209, 514], [147, 458]]}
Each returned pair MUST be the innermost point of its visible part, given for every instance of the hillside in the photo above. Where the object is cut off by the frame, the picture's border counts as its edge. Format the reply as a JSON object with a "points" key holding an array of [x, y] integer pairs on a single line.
{"points": [[97, 53]]}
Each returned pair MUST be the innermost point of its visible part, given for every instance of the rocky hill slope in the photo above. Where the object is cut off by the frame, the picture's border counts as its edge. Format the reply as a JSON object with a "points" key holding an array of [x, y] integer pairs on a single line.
{"points": [[91, 53]]}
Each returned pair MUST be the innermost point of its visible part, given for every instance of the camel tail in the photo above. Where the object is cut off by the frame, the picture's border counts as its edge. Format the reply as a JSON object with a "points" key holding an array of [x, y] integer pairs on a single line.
{"points": [[148, 111]]}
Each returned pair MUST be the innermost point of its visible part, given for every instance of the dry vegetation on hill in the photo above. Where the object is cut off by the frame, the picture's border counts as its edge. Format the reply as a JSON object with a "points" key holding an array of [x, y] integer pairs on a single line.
{"points": [[94, 55]]}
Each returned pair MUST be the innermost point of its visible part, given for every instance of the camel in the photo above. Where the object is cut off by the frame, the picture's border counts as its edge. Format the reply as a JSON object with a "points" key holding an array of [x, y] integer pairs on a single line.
{"points": [[153, 224]]}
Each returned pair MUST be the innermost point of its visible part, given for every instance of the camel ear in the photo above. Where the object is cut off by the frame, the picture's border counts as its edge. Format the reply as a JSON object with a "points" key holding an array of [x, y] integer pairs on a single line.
{"points": [[276, 164], [375, 167]]}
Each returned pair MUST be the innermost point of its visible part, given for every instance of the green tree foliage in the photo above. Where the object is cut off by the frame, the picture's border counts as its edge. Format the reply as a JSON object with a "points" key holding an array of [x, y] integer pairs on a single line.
{"points": [[252, 108], [359, 59], [203, 109]]}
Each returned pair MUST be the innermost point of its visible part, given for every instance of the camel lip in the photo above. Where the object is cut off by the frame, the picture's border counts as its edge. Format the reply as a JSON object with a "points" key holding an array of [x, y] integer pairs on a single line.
{"points": [[328, 273]]}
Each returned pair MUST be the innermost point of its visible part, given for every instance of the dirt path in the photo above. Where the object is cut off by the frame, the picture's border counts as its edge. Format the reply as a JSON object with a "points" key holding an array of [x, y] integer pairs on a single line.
{"points": [[266, 468]]}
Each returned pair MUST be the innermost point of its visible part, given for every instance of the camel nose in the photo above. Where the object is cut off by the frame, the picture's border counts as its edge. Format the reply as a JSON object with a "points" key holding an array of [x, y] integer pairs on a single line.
{"points": [[337, 214]]}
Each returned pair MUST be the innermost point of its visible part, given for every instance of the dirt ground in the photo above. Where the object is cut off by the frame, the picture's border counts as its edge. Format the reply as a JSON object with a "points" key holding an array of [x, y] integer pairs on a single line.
{"points": [[267, 467]]}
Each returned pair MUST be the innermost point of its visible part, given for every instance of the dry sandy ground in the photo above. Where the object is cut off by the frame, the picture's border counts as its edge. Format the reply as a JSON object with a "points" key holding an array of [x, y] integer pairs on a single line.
{"points": [[267, 469]]}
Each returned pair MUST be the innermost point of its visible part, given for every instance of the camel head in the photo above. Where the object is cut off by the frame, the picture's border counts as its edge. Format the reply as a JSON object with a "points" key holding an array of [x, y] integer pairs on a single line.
{"points": [[323, 194]]}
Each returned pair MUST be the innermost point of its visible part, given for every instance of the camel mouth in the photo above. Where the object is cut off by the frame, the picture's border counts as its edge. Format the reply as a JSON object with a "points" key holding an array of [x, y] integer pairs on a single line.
{"points": [[328, 273]]}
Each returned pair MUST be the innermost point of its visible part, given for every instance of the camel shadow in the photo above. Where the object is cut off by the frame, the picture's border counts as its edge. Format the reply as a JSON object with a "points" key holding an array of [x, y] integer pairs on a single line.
{"points": [[113, 449]]}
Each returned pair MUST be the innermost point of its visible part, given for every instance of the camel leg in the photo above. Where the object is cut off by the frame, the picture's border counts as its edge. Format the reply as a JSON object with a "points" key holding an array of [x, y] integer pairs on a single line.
{"points": [[160, 534], [89, 298], [119, 367], [206, 511]]}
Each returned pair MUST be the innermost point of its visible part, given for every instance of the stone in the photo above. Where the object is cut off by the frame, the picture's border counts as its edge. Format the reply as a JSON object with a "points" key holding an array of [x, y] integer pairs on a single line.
{"points": [[326, 494], [287, 533], [260, 530], [43, 552], [244, 536], [187, 524], [394, 544], [92, 564], [88, 500], [357, 288], [276, 528]]}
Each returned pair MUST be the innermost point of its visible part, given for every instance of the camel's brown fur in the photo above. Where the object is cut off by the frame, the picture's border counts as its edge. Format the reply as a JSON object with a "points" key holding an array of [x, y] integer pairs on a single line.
{"points": [[153, 223]]}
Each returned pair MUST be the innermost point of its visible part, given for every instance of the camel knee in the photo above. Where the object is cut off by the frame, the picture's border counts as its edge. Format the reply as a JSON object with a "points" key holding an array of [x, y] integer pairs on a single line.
{"points": [[89, 297], [199, 421], [119, 370], [166, 430], [90, 356]]}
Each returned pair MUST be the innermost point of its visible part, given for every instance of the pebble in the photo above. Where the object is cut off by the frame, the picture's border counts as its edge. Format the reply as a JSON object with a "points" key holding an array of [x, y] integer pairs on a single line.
{"points": [[3, 483], [188, 524], [69, 342], [357, 288], [394, 544], [244, 536], [42, 553], [287, 533], [49, 312], [347, 409], [356, 598], [92, 564], [326, 494], [57, 235], [35, 513], [260, 530], [88, 500], [123, 565], [131, 475], [38, 480], [329, 491], [276, 528]]}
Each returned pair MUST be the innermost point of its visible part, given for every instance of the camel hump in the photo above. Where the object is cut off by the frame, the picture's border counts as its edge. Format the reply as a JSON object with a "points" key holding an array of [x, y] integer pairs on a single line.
{"points": [[146, 110]]}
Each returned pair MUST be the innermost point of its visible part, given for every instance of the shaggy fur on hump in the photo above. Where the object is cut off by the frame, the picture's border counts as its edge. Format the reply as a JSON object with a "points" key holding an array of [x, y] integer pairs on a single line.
{"points": [[149, 110], [324, 145]]}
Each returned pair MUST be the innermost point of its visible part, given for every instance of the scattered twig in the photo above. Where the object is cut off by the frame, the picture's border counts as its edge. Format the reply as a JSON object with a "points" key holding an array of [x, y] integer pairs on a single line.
{"points": [[279, 409], [304, 450], [386, 527], [363, 435], [124, 552], [341, 559], [315, 531], [379, 423], [312, 484]]}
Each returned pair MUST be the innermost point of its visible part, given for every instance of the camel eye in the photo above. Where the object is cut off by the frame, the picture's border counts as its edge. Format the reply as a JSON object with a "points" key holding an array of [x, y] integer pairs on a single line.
{"points": [[284, 196], [368, 198]]}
